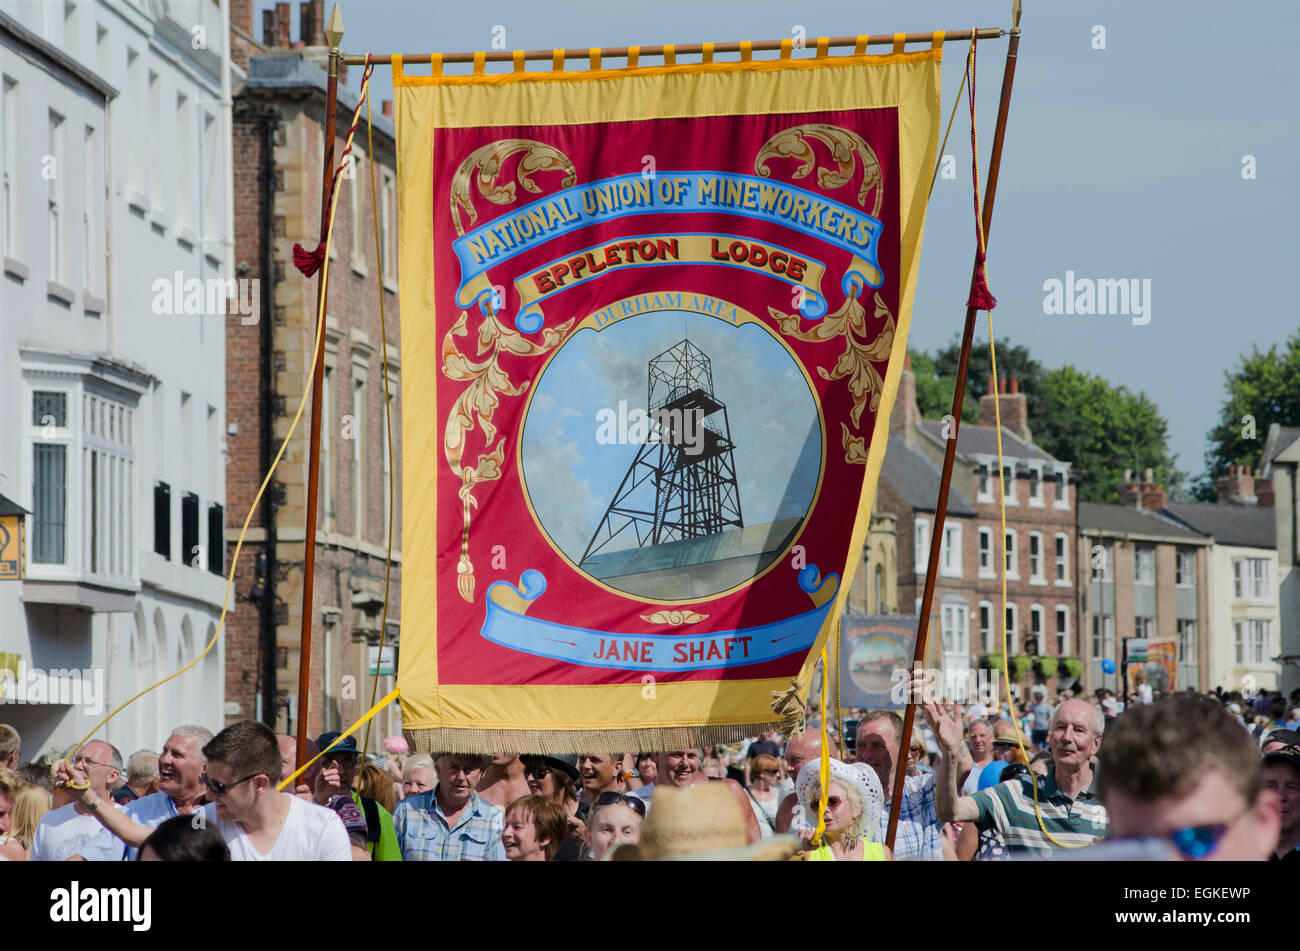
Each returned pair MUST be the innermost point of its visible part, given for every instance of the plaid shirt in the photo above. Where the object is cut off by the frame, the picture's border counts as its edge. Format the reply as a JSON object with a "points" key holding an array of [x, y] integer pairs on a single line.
{"points": [[425, 835], [918, 838]]}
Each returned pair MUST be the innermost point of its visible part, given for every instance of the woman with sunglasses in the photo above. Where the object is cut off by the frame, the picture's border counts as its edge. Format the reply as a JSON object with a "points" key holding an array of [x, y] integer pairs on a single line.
{"points": [[615, 820], [854, 807], [555, 778]]}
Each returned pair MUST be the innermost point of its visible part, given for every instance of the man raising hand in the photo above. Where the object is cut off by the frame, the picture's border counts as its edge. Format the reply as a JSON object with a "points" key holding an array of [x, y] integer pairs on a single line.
{"points": [[1066, 799]]}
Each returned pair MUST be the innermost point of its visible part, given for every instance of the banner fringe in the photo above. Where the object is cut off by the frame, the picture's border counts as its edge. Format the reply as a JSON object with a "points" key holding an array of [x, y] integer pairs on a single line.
{"points": [[573, 742]]}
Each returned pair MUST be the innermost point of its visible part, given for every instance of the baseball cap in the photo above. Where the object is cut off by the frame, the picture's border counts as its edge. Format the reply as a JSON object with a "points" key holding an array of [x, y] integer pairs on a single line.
{"points": [[1287, 754], [347, 745]]}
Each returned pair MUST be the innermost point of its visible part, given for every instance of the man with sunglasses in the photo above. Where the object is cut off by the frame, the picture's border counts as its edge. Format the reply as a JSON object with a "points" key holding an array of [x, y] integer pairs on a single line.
{"points": [[1182, 770], [259, 823], [71, 832], [336, 771]]}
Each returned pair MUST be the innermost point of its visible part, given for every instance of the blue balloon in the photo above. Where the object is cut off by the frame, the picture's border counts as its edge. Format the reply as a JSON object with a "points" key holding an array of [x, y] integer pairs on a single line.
{"points": [[991, 774], [1108, 666]]}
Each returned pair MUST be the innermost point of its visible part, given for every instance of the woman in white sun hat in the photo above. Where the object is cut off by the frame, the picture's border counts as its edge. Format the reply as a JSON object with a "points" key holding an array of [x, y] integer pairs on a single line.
{"points": [[854, 806]]}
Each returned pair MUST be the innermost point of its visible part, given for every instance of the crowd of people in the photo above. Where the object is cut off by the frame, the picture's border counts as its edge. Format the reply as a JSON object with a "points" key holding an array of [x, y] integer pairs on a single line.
{"points": [[1181, 776]]}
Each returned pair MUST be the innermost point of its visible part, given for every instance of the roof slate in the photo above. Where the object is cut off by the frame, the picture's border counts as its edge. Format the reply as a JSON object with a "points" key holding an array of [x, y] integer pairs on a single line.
{"points": [[1247, 525], [916, 479], [1115, 519], [973, 439]]}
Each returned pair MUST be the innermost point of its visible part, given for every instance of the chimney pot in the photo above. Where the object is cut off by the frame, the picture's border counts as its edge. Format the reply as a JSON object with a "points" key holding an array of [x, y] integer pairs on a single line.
{"points": [[1002, 385], [1015, 385], [1264, 492], [905, 416], [318, 23], [282, 18], [387, 106], [907, 361], [1128, 475]]}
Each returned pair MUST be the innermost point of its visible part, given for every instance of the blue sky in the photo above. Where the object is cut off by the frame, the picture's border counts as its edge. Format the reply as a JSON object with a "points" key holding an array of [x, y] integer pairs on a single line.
{"points": [[1119, 163], [572, 477]]}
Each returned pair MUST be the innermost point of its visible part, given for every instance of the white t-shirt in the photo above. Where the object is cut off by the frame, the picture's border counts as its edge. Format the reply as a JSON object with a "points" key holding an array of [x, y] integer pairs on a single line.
{"points": [[310, 833], [64, 832], [972, 784]]}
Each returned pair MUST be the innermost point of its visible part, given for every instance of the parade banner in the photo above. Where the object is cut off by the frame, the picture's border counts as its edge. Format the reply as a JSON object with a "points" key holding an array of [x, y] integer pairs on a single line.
{"points": [[653, 321], [1158, 668], [873, 652]]}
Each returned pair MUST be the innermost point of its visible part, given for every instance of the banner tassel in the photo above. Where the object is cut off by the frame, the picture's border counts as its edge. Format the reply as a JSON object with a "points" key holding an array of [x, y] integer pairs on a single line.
{"points": [[788, 706], [308, 262]]}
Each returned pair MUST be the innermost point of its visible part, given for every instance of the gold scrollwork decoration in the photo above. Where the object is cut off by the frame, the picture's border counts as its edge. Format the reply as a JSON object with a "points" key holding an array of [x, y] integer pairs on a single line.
{"points": [[861, 348], [674, 617], [845, 147], [855, 363], [476, 405], [484, 165]]}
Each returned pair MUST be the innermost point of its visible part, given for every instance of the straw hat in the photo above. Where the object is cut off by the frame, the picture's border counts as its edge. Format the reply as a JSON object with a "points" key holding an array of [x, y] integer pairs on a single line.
{"points": [[702, 823]]}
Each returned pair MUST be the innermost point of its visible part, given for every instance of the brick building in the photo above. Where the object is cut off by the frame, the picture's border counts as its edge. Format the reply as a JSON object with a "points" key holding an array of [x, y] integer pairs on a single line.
{"points": [[279, 117], [1041, 496], [1146, 578]]}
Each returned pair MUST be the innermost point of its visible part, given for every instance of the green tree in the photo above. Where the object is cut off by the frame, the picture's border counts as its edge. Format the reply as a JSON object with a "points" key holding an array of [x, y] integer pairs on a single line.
{"points": [[1263, 389], [936, 378], [1102, 430], [932, 399], [1013, 361]]}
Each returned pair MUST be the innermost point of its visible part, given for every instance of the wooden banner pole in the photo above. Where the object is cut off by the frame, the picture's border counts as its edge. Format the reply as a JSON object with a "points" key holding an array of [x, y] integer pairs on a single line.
{"points": [[334, 34], [950, 450]]}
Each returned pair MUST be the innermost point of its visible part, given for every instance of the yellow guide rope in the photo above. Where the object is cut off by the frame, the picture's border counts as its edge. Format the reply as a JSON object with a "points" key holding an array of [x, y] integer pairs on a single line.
{"points": [[1002, 488], [825, 759]]}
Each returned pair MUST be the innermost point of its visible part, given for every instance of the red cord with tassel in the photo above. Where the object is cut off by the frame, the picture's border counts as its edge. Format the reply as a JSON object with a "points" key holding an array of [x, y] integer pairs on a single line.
{"points": [[981, 298], [309, 262]]}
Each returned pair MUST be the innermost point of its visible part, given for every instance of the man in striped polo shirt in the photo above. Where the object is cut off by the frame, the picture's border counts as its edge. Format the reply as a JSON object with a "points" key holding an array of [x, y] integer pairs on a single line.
{"points": [[1072, 815]]}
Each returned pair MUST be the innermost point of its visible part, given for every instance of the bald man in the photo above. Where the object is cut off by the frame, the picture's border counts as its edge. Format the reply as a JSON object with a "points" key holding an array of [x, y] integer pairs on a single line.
{"points": [[801, 749], [289, 762], [1066, 798]]}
